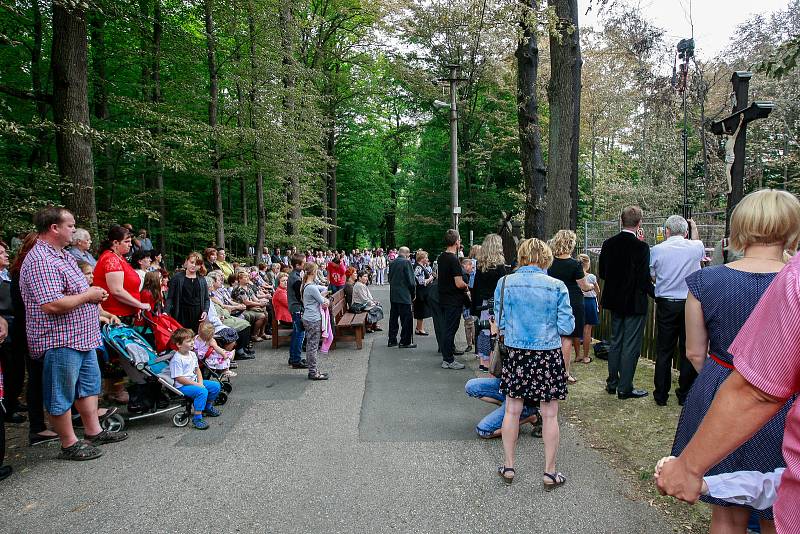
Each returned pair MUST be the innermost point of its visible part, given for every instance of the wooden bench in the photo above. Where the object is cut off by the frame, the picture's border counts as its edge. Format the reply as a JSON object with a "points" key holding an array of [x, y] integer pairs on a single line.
{"points": [[348, 326], [280, 334]]}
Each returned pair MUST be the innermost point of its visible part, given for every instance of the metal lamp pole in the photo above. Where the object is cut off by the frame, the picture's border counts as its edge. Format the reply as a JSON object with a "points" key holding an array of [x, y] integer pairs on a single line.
{"points": [[455, 208]]}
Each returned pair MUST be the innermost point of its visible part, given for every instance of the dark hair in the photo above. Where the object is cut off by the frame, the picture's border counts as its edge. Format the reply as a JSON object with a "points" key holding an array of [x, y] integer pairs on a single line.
{"points": [[208, 252], [180, 335], [152, 283], [27, 245], [298, 259], [451, 237], [363, 272], [115, 233], [138, 256], [47, 217]]}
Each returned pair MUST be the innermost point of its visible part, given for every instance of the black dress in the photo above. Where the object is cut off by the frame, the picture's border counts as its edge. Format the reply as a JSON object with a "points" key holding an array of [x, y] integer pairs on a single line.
{"points": [[422, 309], [569, 271], [190, 311]]}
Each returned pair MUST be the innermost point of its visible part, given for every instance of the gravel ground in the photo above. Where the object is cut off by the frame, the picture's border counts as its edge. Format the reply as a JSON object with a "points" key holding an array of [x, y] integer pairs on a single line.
{"points": [[302, 458]]}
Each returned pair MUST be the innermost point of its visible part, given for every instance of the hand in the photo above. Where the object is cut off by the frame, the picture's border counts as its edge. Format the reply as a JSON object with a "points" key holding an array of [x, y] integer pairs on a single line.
{"points": [[676, 480], [113, 319], [95, 295], [202, 316], [3, 329], [144, 306]]}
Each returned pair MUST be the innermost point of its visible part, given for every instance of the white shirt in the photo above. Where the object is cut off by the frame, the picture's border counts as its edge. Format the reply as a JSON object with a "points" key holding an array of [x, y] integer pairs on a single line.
{"points": [[671, 262], [183, 365], [751, 488]]}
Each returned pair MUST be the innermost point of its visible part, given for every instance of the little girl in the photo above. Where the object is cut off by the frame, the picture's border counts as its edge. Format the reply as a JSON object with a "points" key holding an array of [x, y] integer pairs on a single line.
{"points": [[591, 310], [184, 370], [207, 349]]}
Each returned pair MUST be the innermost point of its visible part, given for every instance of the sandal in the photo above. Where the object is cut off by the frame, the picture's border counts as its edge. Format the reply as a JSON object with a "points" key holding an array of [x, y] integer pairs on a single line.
{"points": [[587, 360], [105, 437], [79, 451], [557, 480], [502, 470], [318, 376], [571, 379], [421, 333]]}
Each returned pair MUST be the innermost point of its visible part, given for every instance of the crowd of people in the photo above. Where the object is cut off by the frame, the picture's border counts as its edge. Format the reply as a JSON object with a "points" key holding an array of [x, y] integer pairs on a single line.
{"points": [[528, 319]]}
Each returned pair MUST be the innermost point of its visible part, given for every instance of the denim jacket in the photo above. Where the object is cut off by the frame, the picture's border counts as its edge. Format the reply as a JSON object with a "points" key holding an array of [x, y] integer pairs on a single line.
{"points": [[536, 310]]}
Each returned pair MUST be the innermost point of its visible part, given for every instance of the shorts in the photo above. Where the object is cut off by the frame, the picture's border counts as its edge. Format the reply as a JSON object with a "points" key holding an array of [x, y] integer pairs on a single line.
{"points": [[69, 374]]}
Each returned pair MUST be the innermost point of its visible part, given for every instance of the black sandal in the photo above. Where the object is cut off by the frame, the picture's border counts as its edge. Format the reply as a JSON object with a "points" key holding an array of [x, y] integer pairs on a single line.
{"points": [[79, 451], [557, 480], [421, 333], [502, 470], [318, 376]]}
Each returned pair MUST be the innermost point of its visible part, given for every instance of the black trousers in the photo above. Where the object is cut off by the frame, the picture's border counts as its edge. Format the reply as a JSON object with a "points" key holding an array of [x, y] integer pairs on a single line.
{"points": [[2, 433], [451, 319], [671, 329], [243, 339], [13, 375], [401, 312], [623, 354]]}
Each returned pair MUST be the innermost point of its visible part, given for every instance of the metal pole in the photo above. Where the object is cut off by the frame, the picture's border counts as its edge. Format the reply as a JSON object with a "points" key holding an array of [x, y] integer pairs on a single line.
{"points": [[685, 159], [454, 145]]}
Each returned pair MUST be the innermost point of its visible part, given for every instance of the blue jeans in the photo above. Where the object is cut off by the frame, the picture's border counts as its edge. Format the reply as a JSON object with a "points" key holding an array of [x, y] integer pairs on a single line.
{"points": [[298, 334], [202, 396], [69, 374], [490, 387]]}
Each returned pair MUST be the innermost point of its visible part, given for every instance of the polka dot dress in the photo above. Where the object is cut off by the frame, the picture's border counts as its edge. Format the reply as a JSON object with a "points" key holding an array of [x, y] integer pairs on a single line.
{"points": [[728, 297]]}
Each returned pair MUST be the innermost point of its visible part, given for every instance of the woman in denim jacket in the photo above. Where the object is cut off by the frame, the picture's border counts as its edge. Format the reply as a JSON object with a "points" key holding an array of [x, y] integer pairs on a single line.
{"points": [[536, 313]]}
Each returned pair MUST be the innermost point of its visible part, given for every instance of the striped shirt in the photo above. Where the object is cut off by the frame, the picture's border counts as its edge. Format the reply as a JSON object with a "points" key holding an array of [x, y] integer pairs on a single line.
{"points": [[48, 275], [767, 354]]}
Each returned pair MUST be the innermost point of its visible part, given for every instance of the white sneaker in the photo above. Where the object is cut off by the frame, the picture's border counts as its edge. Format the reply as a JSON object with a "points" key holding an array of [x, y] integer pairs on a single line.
{"points": [[452, 365]]}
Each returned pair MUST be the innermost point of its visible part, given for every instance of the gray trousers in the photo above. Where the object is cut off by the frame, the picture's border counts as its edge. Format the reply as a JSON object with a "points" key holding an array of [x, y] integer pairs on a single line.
{"points": [[313, 338], [623, 354]]}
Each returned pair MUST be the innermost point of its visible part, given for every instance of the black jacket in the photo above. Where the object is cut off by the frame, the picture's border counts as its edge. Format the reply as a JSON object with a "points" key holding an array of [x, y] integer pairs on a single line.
{"points": [[173, 303], [625, 267], [402, 283], [484, 285]]}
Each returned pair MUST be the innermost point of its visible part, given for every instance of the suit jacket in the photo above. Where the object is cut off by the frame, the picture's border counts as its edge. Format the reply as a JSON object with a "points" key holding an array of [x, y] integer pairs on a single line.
{"points": [[625, 267], [401, 281]]}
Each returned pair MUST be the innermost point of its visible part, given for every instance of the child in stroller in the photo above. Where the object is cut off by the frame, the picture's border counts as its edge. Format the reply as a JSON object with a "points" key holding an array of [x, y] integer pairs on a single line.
{"points": [[216, 359], [184, 369]]}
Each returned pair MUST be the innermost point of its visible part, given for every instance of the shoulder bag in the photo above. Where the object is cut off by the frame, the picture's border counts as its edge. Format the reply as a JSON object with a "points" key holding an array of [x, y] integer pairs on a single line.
{"points": [[500, 350]]}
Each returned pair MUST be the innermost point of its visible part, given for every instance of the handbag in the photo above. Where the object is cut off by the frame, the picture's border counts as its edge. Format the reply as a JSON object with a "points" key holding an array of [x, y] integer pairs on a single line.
{"points": [[500, 350]]}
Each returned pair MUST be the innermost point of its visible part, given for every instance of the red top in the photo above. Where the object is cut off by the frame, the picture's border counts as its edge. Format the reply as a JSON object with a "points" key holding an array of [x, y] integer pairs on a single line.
{"points": [[766, 352], [108, 262], [336, 274], [280, 305]]}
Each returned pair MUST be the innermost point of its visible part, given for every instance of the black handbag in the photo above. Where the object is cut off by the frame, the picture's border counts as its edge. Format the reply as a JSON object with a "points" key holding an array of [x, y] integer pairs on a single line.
{"points": [[500, 350]]}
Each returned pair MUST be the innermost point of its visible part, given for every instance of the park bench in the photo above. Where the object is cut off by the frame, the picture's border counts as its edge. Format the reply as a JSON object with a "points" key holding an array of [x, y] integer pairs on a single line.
{"points": [[348, 326], [280, 334]]}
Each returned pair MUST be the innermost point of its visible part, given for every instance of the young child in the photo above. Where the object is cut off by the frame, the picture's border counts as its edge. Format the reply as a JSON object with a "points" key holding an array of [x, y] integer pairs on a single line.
{"points": [[468, 267], [207, 348], [591, 310], [184, 370], [747, 488]]}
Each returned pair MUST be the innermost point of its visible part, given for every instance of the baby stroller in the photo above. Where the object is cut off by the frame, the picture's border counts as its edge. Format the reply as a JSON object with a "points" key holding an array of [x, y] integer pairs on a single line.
{"points": [[150, 372], [163, 326]]}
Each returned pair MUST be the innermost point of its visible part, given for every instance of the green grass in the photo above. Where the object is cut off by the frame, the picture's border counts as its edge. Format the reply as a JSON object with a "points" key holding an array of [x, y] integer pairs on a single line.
{"points": [[632, 434]]}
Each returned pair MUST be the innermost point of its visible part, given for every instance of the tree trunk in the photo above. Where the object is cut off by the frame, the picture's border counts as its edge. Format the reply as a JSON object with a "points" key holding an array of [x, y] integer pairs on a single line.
{"points": [[156, 98], [69, 65], [564, 53], [576, 123], [40, 152], [286, 17], [260, 209], [332, 200], [105, 168], [213, 105], [530, 141]]}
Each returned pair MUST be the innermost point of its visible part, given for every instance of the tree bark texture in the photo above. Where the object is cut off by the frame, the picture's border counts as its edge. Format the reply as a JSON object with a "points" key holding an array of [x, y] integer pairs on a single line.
{"points": [[576, 125], [564, 53], [40, 153], [286, 17], [332, 200], [261, 216], [105, 167], [69, 65], [530, 140], [213, 106], [156, 98]]}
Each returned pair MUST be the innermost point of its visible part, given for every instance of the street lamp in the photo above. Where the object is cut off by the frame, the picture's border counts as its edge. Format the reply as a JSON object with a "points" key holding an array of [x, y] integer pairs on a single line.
{"points": [[453, 79]]}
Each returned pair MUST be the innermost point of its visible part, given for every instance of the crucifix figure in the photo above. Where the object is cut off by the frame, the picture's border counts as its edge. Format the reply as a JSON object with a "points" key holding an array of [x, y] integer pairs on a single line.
{"points": [[735, 128]]}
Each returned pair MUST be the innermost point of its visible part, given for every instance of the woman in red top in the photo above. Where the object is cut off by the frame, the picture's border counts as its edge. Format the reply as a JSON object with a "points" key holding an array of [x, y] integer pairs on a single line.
{"points": [[116, 276], [280, 303], [336, 274]]}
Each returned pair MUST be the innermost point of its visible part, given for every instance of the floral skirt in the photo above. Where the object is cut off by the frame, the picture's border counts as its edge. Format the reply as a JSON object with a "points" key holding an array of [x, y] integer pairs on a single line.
{"points": [[534, 375]]}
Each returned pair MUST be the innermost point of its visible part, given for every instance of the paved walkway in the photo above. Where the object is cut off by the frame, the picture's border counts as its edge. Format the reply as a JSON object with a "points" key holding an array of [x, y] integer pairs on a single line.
{"points": [[385, 446]]}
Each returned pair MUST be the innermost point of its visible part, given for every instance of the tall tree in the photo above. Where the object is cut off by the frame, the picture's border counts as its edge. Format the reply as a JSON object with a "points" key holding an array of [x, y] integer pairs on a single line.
{"points": [[563, 96], [69, 65], [213, 109], [287, 22]]}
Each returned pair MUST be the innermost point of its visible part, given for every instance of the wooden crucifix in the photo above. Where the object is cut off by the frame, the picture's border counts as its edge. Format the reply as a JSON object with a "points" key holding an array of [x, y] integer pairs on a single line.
{"points": [[735, 128]]}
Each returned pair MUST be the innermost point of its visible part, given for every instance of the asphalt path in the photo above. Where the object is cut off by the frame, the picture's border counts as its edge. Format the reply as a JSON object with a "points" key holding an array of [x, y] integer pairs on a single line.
{"points": [[387, 445]]}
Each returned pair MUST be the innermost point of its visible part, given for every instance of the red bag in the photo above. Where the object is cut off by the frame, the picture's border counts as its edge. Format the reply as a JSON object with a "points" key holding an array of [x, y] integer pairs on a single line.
{"points": [[163, 326]]}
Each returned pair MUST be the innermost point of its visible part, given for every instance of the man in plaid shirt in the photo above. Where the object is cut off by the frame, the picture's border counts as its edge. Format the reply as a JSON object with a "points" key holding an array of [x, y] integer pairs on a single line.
{"points": [[63, 327]]}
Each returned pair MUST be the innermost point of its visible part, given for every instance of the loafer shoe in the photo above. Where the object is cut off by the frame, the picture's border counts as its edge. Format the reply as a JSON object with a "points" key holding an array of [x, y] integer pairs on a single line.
{"points": [[409, 346], [635, 394]]}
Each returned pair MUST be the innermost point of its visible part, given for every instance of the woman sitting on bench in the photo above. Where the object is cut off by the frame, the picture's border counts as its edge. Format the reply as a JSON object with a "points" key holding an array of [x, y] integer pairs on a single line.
{"points": [[363, 301]]}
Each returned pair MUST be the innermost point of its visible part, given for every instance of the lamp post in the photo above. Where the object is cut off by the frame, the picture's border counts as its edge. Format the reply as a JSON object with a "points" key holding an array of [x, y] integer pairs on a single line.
{"points": [[453, 80]]}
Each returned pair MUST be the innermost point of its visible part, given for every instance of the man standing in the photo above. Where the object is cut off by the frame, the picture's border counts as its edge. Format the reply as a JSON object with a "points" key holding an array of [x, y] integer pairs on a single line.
{"points": [[63, 327], [296, 309], [670, 263], [451, 287], [145, 243], [625, 267], [401, 292]]}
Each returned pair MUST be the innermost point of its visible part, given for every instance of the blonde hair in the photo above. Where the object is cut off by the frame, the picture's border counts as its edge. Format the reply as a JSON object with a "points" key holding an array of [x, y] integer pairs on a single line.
{"points": [[563, 242], [491, 253], [281, 276], [534, 252], [474, 251], [768, 216], [585, 261], [421, 254], [205, 331], [309, 270]]}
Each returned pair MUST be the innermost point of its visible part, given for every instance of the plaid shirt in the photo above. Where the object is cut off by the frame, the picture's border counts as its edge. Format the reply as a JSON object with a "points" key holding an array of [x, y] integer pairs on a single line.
{"points": [[48, 275]]}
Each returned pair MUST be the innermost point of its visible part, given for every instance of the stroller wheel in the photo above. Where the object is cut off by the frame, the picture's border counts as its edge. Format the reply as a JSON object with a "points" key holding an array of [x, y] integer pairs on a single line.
{"points": [[227, 387], [113, 423], [221, 399], [180, 419]]}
